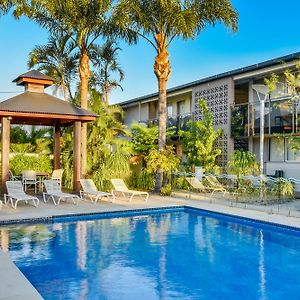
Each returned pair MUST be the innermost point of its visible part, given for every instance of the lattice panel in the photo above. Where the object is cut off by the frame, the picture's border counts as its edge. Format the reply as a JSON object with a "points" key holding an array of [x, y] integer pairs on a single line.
{"points": [[223, 144], [217, 99]]}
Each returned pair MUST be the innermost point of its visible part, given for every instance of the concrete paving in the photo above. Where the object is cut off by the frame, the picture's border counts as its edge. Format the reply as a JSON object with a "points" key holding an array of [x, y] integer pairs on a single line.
{"points": [[13, 284]]}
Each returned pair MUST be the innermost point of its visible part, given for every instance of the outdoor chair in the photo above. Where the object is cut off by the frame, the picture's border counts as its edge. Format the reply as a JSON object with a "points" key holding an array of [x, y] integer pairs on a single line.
{"points": [[90, 190], [29, 179], [57, 175], [13, 177], [53, 191], [198, 185], [15, 193], [120, 187], [213, 182]]}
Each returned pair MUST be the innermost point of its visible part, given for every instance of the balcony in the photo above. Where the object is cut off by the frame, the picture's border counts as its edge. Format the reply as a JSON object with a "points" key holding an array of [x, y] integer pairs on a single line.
{"points": [[281, 117], [179, 122]]}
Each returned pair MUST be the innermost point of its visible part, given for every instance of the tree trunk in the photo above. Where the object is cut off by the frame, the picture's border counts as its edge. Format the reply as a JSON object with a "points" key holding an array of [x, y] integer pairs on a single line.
{"points": [[162, 70], [84, 73]]}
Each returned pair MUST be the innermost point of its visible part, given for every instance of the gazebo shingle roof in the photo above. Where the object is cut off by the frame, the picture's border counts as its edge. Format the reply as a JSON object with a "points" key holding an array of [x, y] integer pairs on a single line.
{"points": [[34, 74], [43, 108]]}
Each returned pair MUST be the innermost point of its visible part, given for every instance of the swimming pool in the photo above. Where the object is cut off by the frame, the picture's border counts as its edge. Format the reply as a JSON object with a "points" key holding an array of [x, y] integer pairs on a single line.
{"points": [[165, 254]]}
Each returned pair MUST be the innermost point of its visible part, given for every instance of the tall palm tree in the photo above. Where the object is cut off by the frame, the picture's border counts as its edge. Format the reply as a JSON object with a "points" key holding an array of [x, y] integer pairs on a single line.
{"points": [[105, 60], [159, 22], [58, 60], [84, 21]]}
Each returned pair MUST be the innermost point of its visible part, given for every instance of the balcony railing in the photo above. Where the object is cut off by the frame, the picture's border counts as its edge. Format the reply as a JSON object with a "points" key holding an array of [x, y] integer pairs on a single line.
{"points": [[281, 117], [179, 122]]}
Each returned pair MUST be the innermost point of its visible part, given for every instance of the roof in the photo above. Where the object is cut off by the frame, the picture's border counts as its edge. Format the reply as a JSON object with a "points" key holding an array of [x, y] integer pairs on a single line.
{"points": [[34, 74], [41, 108], [265, 64]]}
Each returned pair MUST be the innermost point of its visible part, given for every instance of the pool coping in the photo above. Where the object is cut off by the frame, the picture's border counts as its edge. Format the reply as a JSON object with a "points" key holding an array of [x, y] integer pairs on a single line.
{"points": [[27, 289]]}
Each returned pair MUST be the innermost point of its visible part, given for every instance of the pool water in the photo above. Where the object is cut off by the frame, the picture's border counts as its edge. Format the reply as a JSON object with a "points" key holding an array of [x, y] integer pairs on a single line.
{"points": [[166, 255]]}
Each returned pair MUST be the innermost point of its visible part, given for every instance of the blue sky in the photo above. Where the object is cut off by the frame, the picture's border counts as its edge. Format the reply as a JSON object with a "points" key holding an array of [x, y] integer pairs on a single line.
{"points": [[267, 29]]}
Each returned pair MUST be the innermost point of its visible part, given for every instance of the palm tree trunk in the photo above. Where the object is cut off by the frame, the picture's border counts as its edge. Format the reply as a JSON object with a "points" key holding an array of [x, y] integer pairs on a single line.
{"points": [[84, 73], [162, 70]]}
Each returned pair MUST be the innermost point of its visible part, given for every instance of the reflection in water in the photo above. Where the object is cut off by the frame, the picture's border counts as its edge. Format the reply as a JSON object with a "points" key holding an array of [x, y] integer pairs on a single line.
{"points": [[262, 266], [81, 232]]}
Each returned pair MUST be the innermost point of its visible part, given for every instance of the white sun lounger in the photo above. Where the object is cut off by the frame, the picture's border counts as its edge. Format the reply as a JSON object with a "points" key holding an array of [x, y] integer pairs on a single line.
{"points": [[120, 187], [90, 190], [53, 191], [15, 193]]}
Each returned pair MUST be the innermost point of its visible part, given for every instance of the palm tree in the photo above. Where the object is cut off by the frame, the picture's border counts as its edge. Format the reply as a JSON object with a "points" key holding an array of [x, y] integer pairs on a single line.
{"points": [[56, 60], [159, 22], [106, 63], [84, 21]]}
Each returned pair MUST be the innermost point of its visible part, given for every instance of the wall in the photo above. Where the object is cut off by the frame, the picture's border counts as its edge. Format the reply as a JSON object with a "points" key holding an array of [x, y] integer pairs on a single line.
{"points": [[131, 115], [219, 95]]}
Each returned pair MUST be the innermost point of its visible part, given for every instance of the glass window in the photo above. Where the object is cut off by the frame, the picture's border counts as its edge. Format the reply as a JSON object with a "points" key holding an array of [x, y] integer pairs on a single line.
{"points": [[170, 109], [292, 155], [281, 116], [276, 149]]}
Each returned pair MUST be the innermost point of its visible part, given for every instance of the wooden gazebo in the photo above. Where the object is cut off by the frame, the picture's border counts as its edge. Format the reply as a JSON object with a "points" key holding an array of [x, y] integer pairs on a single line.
{"points": [[35, 107]]}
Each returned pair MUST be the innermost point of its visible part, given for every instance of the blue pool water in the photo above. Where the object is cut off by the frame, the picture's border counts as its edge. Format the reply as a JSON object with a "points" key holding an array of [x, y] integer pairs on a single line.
{"points": [[166, 255]]}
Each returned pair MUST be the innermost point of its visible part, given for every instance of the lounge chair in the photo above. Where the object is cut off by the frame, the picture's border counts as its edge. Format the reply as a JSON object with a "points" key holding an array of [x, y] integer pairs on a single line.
{"points": [[215, 183], [198, 185], [90, 190], [120, 187], [15, 193], [57, 175], [53, 191]]}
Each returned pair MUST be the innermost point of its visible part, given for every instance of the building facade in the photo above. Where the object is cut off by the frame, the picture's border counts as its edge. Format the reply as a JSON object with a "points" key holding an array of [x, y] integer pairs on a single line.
{"points": [[236, 109]]}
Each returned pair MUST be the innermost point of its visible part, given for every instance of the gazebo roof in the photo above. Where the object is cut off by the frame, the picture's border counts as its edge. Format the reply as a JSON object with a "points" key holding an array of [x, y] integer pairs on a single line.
{"points": [[42, 109]]}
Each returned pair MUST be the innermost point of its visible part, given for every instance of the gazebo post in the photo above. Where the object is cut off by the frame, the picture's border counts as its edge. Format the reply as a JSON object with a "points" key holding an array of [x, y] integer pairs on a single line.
{"points": [[56, 138], [77, 156], [5, 152]]}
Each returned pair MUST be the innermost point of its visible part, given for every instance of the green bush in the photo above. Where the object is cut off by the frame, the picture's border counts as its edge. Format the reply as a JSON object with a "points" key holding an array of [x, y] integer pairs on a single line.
{"points": [[23, 162], [166, 191], [142, 181]]}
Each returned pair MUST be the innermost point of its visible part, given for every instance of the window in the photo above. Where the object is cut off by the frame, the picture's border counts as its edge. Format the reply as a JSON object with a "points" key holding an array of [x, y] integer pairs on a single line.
{"points": [[170, 109], [291, 155], [277, 149]]}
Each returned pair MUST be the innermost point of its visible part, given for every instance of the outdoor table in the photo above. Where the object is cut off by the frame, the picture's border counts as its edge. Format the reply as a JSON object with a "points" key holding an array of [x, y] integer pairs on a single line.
{"points": [[41, 176]]}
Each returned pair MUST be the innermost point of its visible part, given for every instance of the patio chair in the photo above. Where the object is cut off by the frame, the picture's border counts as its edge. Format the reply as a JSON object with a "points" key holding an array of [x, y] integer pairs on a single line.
{"points": [[120, 187], [13, 177], [29, 179], [213, 182], [15, 193], [198, 185], [57, 175], [53, 191], [90, 190]]}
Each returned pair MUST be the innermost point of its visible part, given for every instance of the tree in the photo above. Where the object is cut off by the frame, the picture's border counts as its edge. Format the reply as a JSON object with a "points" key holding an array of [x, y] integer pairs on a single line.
{"points": [[106, 63], [159, 22], [57, 61], [84, 21], [199, 141]]}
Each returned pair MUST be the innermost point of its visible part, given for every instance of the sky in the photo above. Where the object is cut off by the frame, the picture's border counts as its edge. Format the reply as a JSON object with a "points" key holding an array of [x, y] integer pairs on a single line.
{"points": [[267, 29]]}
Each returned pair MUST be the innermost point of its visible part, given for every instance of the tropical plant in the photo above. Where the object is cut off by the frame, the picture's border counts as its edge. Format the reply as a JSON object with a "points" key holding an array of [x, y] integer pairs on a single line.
{"points": [[283, 188], [84, 21], [18, 135], [58, 60], [106, 63], [166, 190], [165, 159], [141, 180], [199, 141], [243, 163], [23, 162], [159, 23]]}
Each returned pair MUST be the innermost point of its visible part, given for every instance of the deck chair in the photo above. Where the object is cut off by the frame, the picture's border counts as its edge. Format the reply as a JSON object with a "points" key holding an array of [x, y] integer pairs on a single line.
{"points": [[53, 191], [90, 190], [15, 193], [215, 183], [198, 185], [120, 187]]}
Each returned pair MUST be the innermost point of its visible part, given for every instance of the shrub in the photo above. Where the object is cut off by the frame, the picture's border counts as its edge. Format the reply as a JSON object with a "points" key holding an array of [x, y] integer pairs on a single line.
{"points": [[23, 162], [283, 188], [142, 180], [166, 191]]}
